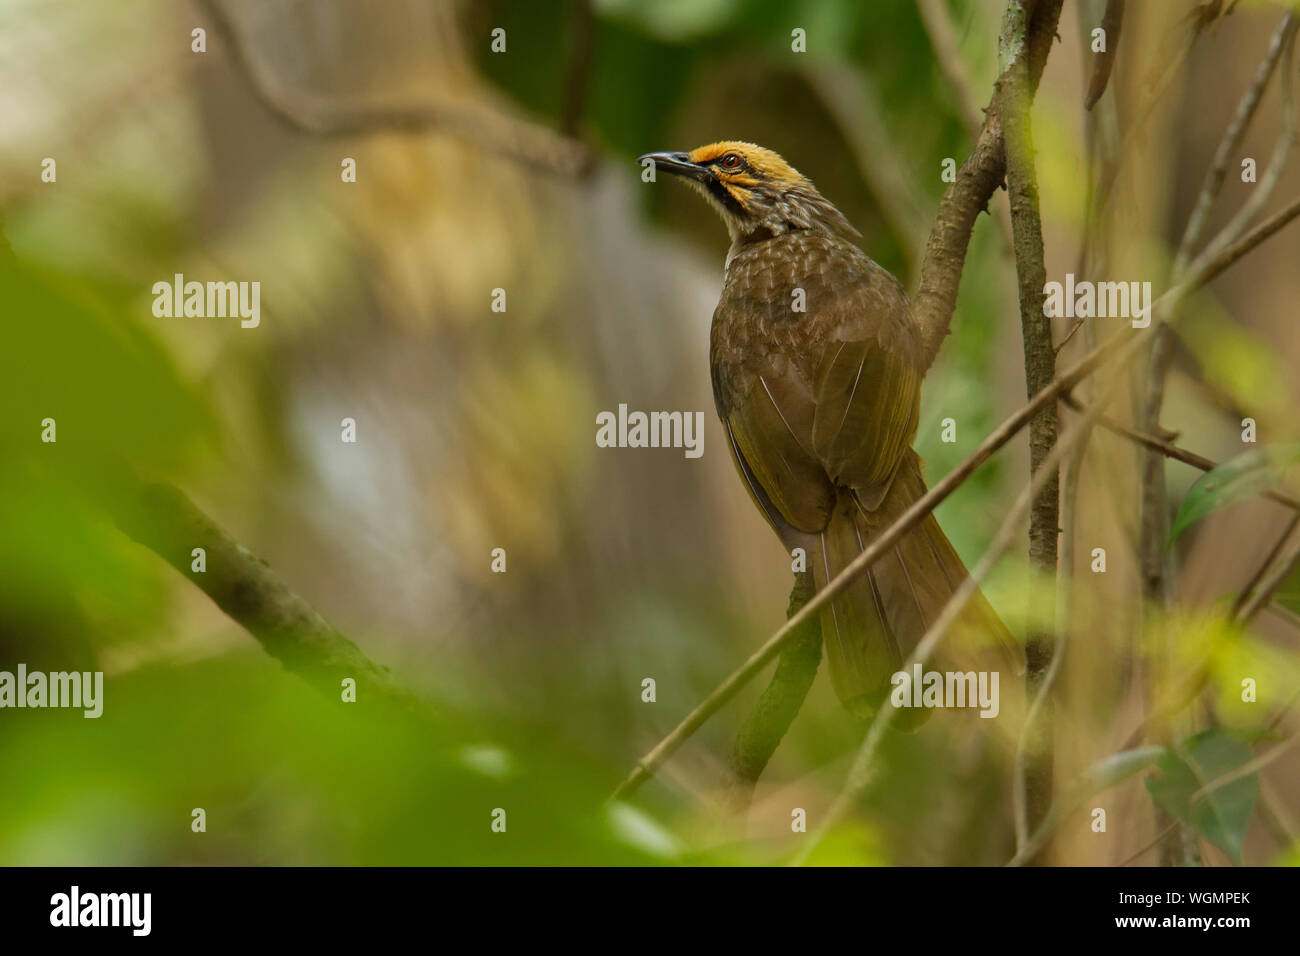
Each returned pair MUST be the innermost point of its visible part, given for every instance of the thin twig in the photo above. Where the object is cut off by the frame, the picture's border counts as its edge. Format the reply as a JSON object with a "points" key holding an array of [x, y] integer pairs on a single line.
{"points": [[1240, 614], [1246, 243], [1170, 450], [1239, 606], [1153, 557], [1246, 769], [1231, 140], [1160, 837], [1264, 593], [1263, 190]]}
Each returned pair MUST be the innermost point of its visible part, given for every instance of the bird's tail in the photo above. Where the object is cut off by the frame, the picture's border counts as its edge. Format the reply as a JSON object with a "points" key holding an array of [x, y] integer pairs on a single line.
{"points": [[871, 628]]}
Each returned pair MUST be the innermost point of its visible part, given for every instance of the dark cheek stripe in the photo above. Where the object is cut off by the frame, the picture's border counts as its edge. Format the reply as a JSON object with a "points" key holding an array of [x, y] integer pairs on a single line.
{"points": [[723, 196]]}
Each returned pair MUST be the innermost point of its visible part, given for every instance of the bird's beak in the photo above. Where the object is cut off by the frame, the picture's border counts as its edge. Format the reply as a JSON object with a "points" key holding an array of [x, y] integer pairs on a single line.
{"points": [[678, 163]]}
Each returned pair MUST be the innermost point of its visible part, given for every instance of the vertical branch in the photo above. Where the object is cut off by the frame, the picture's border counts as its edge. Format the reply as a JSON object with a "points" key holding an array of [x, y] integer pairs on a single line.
{"points": [[1040, 370], [1153, 531], [779, 703], [1028, 31]]}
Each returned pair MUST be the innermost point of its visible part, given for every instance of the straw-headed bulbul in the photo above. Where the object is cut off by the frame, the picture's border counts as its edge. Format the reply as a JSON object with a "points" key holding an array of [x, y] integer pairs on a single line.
{"points": [[816, 362]]}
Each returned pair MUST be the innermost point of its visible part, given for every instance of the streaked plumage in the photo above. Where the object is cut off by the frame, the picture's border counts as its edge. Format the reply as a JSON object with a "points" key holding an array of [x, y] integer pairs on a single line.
{"points": [[821, 406]]}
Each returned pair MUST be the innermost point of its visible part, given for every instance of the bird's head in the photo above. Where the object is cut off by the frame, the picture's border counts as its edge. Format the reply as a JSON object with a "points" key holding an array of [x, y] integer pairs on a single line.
{"points": [[756, 192]]}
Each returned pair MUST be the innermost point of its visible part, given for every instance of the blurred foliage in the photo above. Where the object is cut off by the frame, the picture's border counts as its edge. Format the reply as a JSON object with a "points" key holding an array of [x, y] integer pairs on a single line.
{"points": [[78, 370], [1239, 362], [375, 300], [286, 777]]}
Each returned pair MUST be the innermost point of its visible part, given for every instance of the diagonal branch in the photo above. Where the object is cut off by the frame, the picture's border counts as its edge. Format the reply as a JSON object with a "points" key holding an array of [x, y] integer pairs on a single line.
{"points": [[1283, 38], [166, 522], [1173, 451]]}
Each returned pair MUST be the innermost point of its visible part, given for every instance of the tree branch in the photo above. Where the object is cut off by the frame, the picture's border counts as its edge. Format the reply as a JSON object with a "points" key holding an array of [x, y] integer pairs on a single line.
{"points": [[1172, 451], [166, 522], [1264, 592], [1232, 138], [1040, 369], [979, 176]]}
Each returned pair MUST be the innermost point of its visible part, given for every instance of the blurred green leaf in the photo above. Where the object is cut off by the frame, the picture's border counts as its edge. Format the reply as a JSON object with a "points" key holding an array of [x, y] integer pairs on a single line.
{"points": [[288, 777], [1235, 480], [1237, 360], [1222, 815], [76, 353]]}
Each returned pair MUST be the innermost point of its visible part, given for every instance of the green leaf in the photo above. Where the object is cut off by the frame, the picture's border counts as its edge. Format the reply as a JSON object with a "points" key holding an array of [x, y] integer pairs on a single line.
{"points": [[1221, 815], [1235, 480]]}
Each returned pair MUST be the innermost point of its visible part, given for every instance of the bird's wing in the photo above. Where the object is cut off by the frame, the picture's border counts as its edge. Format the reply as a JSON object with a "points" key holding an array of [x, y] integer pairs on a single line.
{"points": [[824, 397], [769, 423], [867, 383], [868, 403]]}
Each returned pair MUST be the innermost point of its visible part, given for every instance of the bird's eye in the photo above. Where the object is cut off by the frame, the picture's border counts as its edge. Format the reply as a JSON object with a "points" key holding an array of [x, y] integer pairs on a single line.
{"points": [[731, 161]]}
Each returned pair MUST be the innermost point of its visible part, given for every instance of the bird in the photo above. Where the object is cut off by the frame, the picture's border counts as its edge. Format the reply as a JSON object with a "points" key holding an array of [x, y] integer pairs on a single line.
{"points": [[816, 362]]}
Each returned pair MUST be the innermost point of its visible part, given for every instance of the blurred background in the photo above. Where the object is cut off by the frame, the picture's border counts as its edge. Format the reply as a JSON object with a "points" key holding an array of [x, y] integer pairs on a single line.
{"points": [[475, 427]]}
